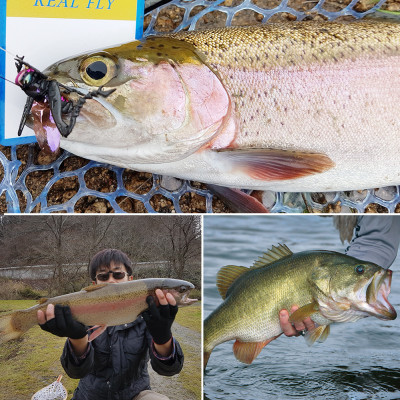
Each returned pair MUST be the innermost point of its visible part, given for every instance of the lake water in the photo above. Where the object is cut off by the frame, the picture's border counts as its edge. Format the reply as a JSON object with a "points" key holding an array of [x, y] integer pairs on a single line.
{"points": [[358, 361]]}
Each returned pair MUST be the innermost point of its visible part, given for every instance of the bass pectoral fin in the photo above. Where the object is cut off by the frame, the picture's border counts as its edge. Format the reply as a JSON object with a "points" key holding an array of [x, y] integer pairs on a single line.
{"points": [[277, 164], [320, 334], [304, 312]]}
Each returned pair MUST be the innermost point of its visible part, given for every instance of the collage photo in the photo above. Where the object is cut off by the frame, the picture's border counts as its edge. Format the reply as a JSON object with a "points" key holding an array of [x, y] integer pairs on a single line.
{"points": [[199, 307], [199, 199]]}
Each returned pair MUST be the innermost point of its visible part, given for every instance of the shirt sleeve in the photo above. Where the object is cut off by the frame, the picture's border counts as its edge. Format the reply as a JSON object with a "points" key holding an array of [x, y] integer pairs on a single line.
{"points": [[77, 367], [376, 240], [170, 365]]}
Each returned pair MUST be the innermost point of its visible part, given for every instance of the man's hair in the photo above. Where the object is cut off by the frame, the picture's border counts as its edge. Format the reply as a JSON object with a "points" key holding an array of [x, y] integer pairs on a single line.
{"points": [[105, 258]]}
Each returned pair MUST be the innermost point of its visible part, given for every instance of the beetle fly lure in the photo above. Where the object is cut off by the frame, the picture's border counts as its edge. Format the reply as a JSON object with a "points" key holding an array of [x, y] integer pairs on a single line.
{"points": [[40, 88]]}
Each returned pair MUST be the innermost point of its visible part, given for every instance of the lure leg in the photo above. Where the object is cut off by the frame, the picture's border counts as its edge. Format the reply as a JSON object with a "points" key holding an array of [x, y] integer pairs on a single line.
{"points": [[56, 105], [27, 110]]}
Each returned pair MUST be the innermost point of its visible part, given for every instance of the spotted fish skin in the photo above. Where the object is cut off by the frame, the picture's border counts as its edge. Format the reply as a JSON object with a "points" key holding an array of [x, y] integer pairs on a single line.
{"points": [[103, 305], [292, 106]]}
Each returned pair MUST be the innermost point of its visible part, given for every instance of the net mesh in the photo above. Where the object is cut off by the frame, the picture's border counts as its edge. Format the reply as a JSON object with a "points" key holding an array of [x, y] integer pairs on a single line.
{"points": [[69, 184], [54, 391]]}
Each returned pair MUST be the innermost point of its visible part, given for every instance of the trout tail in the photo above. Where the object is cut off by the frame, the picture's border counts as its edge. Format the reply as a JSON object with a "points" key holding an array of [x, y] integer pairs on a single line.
{"points": [[13, 325]]}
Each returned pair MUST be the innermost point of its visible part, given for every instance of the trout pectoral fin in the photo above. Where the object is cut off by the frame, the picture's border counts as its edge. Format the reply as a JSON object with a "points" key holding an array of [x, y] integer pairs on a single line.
{"points": [[277, 164], [237, 200], [303, 312], [319, 334], [227, 275], [246, 352], [97, 331]]}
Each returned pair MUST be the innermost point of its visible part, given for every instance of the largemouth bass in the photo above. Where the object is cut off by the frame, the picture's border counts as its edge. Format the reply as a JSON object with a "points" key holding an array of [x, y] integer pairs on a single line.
{"points": [[327, 286], [306, 106], [100, 305]]}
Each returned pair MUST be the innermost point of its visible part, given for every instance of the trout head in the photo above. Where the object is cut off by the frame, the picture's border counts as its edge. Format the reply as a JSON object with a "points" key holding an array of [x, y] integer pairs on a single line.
{"points": [[167, 102], [180, 289], [352, 289]]}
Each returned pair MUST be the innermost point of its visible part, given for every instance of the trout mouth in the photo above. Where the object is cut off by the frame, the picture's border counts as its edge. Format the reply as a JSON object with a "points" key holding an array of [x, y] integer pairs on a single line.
{"points": [[377, 296], [181, 294], [93, 115]]}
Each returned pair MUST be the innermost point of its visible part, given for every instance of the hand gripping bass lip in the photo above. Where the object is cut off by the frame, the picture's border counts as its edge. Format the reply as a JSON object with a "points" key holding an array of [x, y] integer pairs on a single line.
{"points": [[40, 88]]}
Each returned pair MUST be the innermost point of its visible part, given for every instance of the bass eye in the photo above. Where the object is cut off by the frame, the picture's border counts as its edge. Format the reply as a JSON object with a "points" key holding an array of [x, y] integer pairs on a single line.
{"points": [[360, 269], [97, 70]]}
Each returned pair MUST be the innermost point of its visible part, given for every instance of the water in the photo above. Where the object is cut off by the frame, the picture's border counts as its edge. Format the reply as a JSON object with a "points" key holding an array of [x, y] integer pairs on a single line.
{"points": [[358, 361]]}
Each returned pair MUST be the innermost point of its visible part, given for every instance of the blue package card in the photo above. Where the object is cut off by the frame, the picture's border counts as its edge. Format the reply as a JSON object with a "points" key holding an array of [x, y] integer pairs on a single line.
{"points": [[46, 31]]}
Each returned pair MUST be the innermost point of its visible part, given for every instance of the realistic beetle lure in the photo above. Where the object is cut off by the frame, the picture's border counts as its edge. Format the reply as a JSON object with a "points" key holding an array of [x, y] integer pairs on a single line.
{"points": [[40, 88]]}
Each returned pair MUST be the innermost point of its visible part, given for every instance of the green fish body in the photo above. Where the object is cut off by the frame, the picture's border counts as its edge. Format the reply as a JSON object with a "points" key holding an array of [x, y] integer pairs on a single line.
{"points": [[329, 287]]}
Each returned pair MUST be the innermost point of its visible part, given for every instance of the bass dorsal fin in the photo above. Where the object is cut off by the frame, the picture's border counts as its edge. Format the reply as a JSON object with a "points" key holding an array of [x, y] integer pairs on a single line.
{"points": [[274, 254], [91, 288], [226, 276]]}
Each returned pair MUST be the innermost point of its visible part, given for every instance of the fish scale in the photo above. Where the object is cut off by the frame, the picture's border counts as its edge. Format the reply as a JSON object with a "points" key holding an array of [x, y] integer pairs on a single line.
{"points": [[99, 305], [324, 285], [285, 106]]}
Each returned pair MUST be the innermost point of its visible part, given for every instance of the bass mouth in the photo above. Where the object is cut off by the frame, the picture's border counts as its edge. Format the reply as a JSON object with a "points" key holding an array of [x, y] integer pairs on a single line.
{"points": [[377, 296]]}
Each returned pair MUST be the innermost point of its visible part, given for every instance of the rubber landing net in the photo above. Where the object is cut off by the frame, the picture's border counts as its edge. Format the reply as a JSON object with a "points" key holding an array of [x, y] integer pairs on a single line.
{"points": [[72, 184], [54, 391]]}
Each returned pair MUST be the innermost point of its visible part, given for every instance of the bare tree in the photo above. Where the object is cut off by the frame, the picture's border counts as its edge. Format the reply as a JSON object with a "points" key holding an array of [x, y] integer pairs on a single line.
{"points": [[182, 242]]}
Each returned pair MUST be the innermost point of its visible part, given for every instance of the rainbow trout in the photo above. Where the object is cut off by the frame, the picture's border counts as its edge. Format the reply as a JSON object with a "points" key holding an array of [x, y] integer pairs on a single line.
{"points": [[295, 106], [329, 287], [99, 305]]}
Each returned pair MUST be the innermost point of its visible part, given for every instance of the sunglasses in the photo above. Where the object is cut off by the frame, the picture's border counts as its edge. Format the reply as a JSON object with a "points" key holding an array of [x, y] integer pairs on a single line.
{"points": [[104, 276]]}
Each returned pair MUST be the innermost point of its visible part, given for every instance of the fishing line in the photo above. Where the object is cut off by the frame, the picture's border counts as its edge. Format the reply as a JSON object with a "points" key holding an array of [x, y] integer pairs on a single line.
{"points": [[9, 52], [2, 77]]}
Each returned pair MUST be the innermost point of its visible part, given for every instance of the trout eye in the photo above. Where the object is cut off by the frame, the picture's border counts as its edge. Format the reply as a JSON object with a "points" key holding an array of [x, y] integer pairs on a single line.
{"points": [[98, 70], [182, 289], [360, 269]]}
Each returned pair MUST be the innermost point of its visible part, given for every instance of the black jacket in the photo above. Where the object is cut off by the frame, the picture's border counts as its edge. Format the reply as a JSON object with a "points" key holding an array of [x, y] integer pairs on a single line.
{"points": [[115, 366]]}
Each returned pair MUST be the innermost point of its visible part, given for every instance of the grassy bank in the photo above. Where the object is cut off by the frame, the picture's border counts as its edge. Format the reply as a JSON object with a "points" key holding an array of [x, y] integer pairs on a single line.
{"points": [[190, 377], [190, 317], [32, 362]]}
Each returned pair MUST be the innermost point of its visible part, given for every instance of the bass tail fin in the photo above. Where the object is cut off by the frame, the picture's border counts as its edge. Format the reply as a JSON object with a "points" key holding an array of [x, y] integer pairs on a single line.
{"points": [[8, 330]]}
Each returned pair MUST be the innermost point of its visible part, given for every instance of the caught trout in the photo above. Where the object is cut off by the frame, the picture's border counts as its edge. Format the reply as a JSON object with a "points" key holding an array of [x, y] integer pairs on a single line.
{"points": [[327, 286], [99, 305], [303, 106]]}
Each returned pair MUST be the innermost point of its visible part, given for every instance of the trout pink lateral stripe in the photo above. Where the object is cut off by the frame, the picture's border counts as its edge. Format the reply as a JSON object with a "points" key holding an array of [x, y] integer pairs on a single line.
{"points": [[104, 307], [99, 305]]}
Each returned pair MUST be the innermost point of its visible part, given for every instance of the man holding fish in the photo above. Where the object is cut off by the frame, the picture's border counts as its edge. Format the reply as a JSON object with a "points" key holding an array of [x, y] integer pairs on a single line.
{"points": [[113, 365]]}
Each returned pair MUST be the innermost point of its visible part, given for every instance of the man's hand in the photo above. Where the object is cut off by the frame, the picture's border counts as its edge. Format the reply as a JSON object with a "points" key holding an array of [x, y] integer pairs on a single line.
{"points": [[58, 320], [159, 319], [294, 330]]}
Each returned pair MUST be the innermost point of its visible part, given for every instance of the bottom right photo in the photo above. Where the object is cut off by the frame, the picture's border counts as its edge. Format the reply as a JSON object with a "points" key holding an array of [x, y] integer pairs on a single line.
{"points": [[301, 306]]}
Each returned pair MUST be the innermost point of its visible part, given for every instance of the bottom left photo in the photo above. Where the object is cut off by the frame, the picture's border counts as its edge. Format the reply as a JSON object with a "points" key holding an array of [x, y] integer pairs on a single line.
{"points": [[100, 307]]}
